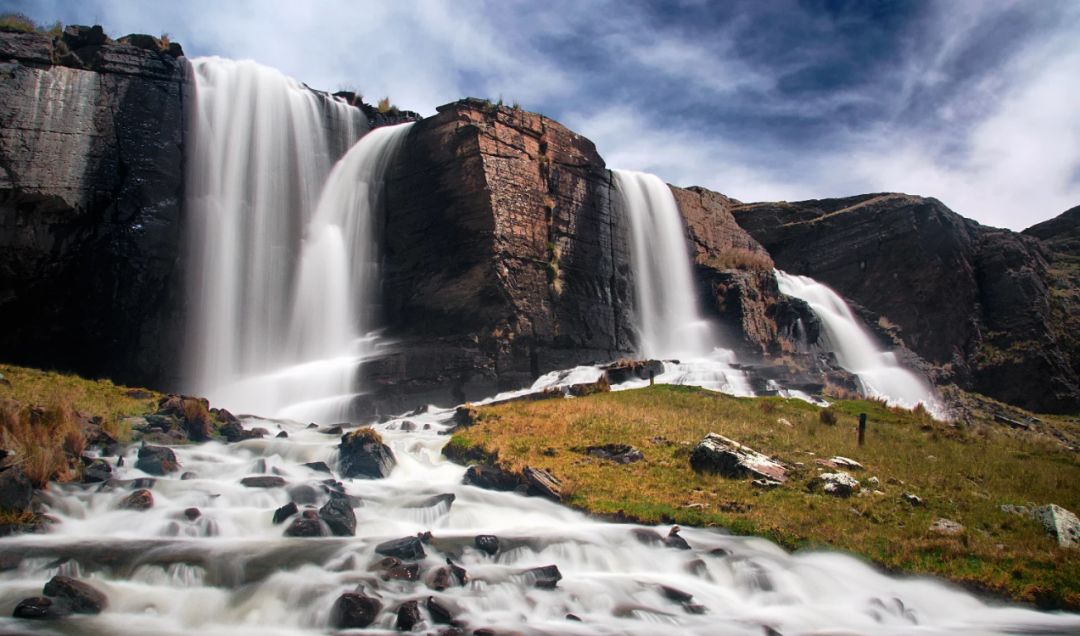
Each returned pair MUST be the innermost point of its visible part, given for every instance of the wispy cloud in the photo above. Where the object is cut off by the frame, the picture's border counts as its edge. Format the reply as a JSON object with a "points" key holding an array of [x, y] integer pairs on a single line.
{"points": [[971, 102]]}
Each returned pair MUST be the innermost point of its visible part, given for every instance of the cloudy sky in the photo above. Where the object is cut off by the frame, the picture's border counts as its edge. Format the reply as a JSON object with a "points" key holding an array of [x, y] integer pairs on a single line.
{"points": [[976, 102]]}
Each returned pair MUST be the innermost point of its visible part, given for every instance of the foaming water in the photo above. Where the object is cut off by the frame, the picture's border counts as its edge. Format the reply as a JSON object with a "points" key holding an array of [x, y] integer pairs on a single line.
{"points": [[282, 243], [230, 570], [879, 372]]}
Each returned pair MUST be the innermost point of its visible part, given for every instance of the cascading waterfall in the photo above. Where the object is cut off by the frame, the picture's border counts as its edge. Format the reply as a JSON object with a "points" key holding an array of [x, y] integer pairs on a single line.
{"points": [[669, 322], [879, 372], [281, 243]]}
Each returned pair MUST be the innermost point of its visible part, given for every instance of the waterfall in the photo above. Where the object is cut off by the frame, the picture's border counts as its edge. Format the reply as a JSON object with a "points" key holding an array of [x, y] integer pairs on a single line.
{"points": [[669, 322], [281, 241], [879, 372]]}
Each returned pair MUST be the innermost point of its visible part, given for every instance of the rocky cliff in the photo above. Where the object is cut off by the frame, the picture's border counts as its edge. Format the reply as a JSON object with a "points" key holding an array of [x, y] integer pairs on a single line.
{"points": [[91, 156], [974, 301], [503, 255]]}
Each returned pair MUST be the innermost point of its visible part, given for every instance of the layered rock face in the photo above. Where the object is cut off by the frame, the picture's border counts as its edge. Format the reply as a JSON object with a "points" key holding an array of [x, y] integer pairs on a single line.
{"points": [[91, 177], [973, 300], [504, 255]]}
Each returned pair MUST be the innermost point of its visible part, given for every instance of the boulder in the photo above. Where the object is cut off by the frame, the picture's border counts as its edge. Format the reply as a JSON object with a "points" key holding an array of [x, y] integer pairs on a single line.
{"points": [[81, 597], [233, 432], [718, 454], [263, 481], [141, 499], [16, 491], [440, 579], [440, 614], [491, 478], [459, 572], [319, 467], [626, 370], [282, 514], [339, 517], [408, 616], [618, 453], [157, 460], [39, 607], [405, 548], [307, 524], [839, 484], [362, 454], [354, 610], [487, 543], [545, 577], [96, 471], [1060, 524], [541, 483]]}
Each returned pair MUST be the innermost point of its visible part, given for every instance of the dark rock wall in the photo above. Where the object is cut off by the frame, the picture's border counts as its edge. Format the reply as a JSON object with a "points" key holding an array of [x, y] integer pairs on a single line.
{"points": [[503, 257], [90, 199], [972, 300]]}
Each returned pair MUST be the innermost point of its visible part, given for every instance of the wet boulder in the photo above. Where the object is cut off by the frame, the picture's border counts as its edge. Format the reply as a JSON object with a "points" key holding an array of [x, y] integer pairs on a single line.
{"points": [[408, 616], [16, 491], [405, 548], [263, 481], [626, 370], [282, 514], [354, 610], [157, 460], [96, 471], [319, 467], [141, 499], [339, 517], [545, 577], [39, 607], [491, 478], [80, 597], [487, 543], [363, 454], [308, 524], [440, 614], [460, 575], [726, 457]]}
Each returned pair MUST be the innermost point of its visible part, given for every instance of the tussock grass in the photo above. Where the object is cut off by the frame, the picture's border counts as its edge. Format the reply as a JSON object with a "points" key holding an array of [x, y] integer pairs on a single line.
{"points": [[43, 415], [964, 474]]}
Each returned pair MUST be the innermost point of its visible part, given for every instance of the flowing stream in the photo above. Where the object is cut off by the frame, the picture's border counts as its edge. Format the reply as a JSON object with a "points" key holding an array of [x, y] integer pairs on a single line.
{"points": [[229, 570]]}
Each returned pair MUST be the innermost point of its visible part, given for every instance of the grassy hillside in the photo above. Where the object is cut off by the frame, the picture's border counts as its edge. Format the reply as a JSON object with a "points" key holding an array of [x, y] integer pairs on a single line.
{"points": [[962, 474]]}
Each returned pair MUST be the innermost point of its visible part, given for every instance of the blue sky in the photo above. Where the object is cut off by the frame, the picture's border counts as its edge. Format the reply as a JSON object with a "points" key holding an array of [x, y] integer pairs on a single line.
{"points": [[976, 102]]}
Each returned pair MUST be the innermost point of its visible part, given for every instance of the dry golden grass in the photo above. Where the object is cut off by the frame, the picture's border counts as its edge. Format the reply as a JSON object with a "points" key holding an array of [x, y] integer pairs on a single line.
{"points": [[42, 414], [964, 475], [740, 258]]}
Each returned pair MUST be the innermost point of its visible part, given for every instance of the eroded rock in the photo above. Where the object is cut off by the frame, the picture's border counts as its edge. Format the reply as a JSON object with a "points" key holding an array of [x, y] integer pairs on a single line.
{"points": [[726, 457]]}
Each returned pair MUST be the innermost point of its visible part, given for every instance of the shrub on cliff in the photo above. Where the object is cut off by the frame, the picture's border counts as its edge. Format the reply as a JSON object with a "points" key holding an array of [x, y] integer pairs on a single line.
{"points": [[14, 22]]}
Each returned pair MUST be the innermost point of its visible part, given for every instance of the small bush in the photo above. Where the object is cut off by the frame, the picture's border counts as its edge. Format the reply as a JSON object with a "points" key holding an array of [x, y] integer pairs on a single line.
{"points": [[17, 23], [46, 441], [827, 416], [384, 105]]}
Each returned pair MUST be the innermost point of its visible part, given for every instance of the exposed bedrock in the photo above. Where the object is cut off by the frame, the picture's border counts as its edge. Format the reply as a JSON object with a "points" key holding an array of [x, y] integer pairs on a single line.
{"points": [[974, 301]]}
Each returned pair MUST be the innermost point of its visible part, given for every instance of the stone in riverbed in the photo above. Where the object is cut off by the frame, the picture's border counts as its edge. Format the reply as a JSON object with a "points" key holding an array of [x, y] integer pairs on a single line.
{"points": [[487, 543], [440, 614], [545, 577], [339, 517], [726, 457], [283, 513], [80, 597], [408, 616], [362, 454], [405, 548], [38, 607], [263, 481], [307, 524], [354, 610], [157, 460], [141, 499]]}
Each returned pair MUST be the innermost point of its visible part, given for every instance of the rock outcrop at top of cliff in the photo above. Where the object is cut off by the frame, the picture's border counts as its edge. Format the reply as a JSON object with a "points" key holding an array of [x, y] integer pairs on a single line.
{"points": [[91, 173], [973, 300]]}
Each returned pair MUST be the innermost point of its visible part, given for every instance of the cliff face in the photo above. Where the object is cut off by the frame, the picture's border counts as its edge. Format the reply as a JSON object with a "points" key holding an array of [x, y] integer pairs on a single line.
{"points": [[971, 299], [503, 255], [90, 198]]}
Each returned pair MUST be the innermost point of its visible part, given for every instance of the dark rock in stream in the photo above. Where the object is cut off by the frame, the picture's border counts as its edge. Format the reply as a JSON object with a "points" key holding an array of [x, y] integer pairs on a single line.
{"points": [[263, 481], [491, 478], [141, 499], [282, 514], [307, 524], [459, 572], [319, 467], [408, 616], [545, 577], [339, 517], [440, 580], [362, 454], [673, 540], [80, 597], [96, 471], [354, 610], [405, 548], [487, 543], [39, 607], [440, 614], [157, 460]]}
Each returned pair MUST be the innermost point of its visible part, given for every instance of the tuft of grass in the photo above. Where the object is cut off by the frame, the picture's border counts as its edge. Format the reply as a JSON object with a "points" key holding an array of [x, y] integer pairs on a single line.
{"points": [[46, 442], [964, 474], [362, 435], [740, 258], [14, 22], [827, 416]]}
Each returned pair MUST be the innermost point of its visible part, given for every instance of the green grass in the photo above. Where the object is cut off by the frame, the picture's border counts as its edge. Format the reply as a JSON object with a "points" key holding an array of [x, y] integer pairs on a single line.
{"points": [[961, 474]]}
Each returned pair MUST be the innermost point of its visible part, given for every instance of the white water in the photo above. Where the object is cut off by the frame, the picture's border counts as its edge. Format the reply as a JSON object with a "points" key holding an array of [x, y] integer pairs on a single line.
{"points": [[668, 320], [283, 255], [231, 572], [879, 372]]}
